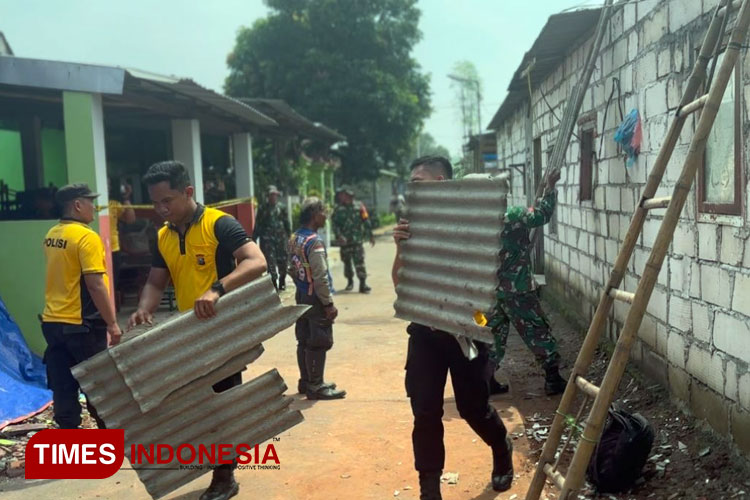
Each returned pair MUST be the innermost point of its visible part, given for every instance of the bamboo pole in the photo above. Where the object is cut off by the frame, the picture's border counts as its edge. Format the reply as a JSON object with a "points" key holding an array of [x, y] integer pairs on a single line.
{"points": [[592, 432], [598, 322]]}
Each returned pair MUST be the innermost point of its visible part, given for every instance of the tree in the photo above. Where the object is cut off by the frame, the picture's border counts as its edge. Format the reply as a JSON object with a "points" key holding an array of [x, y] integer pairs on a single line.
{"points": [[468, 87], [346, 64]]}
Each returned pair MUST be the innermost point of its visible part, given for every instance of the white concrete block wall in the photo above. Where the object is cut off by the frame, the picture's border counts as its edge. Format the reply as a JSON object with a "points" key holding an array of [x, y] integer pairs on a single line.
{"points": [[698, 319]]}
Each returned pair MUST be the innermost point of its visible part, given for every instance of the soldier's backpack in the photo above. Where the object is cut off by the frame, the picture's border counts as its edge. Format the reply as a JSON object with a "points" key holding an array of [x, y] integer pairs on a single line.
{"points": [[621, 452]]}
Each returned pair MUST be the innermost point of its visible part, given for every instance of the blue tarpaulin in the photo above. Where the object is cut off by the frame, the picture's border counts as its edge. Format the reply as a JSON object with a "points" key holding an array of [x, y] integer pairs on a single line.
{"points": [[23, 377]]}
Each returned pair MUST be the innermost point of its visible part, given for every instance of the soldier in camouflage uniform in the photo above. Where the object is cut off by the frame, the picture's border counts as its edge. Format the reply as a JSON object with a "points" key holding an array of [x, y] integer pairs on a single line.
{"points": [[351, 225], [517, 300], [272, 227]]}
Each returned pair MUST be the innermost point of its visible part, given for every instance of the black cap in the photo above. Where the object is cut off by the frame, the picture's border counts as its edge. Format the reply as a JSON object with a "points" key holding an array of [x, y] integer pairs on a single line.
{"points": [[73, 191]]}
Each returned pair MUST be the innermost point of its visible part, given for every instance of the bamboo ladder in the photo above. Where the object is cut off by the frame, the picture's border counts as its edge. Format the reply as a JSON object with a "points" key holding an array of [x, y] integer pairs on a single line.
{"points": [[602, 396]]}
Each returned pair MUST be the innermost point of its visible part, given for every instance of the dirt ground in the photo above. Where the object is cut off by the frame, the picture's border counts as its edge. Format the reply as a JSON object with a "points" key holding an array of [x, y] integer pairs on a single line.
{"points": [[360, 447]]}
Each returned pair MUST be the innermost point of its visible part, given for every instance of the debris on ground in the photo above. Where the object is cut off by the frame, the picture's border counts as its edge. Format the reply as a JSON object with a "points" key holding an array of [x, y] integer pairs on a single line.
{"points": [[449, 478], [13, 439], [686, 459]]}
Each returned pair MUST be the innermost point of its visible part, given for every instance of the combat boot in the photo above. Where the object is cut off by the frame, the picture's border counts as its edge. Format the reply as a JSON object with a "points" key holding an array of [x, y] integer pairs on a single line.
{"points": [[223, 486], [502, 466], [349, 285], [302, 385], [363, 288], [316, 388], [498, 388], [429, 485], [553, 382]]}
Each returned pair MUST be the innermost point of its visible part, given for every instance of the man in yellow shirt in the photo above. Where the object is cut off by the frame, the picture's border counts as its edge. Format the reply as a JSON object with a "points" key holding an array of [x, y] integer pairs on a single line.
{"points": [[78, 315], [206, 253]]}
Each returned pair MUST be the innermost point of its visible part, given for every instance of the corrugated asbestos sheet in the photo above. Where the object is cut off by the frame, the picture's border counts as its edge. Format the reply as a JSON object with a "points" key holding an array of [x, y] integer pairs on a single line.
{"points": [[157, 385], [450, 262]]}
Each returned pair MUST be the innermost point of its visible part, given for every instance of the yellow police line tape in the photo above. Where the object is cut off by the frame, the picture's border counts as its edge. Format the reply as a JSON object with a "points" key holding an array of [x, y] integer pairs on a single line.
{"points": [[218, 204]]}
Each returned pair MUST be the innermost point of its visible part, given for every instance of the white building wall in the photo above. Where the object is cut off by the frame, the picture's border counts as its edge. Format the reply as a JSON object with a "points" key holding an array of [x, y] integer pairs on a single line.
{"points": [[695, 337]]}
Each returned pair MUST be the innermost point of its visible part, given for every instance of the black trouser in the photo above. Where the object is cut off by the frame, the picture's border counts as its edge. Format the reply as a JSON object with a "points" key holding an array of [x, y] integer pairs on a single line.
{"points": [[221, 386], [68, 345], [314, 338], [431, 354]]}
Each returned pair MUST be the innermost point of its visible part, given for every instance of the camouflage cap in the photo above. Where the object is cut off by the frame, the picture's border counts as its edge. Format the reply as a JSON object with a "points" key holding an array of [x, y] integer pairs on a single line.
{"points": [[345, 188]]}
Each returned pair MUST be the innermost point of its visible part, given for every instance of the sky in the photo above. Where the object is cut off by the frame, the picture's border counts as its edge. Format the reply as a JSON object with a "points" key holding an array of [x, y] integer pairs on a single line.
{"points": [[191, 38]]}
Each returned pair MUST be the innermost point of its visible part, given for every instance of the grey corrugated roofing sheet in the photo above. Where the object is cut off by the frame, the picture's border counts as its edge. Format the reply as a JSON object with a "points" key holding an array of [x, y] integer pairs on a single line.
{"points": [[561, 35], [157, 385], [287, 116], [450, 261]]}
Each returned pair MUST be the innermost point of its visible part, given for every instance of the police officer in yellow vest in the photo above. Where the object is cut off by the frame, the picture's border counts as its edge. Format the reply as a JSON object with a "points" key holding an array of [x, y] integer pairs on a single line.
{"points": [[206, 253], [78, 314]]}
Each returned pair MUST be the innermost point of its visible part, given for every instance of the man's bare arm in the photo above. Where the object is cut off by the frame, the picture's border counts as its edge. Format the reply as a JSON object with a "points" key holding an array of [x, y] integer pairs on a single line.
{"points": [[158, 279]]}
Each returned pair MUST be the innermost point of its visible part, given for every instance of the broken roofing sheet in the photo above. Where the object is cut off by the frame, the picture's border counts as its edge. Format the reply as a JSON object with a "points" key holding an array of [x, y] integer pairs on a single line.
{"points": [[157, 385], [450, 261]]}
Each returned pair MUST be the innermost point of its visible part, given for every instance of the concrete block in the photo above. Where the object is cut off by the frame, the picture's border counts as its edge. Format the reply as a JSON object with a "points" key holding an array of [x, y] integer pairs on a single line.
{"points": [[680, 314], [656, 105], [650, 230], [701, 322], [716, 286], [612, 198], [617, 171], [655, 27], [628, 16], [674, 93], [741, 429], [684, 240], [601, 224], [676, 349], [682, 13], [645, 7], [613, 248], [645, 70], [647, 332], [732, 336], [741, 298], [706, 367], [664, 61], [679, 275], [679, 383], [619, 54], [655, 367], [627, 200], [730, 384], [707, 241], [731, 246], [710, 406], [743, 388], [614, 225], [695, 279], [662, 336]]}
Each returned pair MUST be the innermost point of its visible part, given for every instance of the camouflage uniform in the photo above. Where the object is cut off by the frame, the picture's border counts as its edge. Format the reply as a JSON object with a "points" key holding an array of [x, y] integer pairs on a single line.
{"points": [[272, 226], [517, 300], [352, 223]]}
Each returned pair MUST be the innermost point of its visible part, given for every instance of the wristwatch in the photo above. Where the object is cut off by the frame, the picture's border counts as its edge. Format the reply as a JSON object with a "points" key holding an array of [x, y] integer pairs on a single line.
{"points": [[218, 288]]}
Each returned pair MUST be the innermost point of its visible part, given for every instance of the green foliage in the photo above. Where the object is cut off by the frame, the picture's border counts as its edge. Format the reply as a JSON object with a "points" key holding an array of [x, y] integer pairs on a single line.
{"points": [[346, 64], [387, 218]]}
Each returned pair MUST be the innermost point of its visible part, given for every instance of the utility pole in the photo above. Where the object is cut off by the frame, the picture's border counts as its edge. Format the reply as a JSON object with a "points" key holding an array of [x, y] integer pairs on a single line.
{"points": [[475, 82]]}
